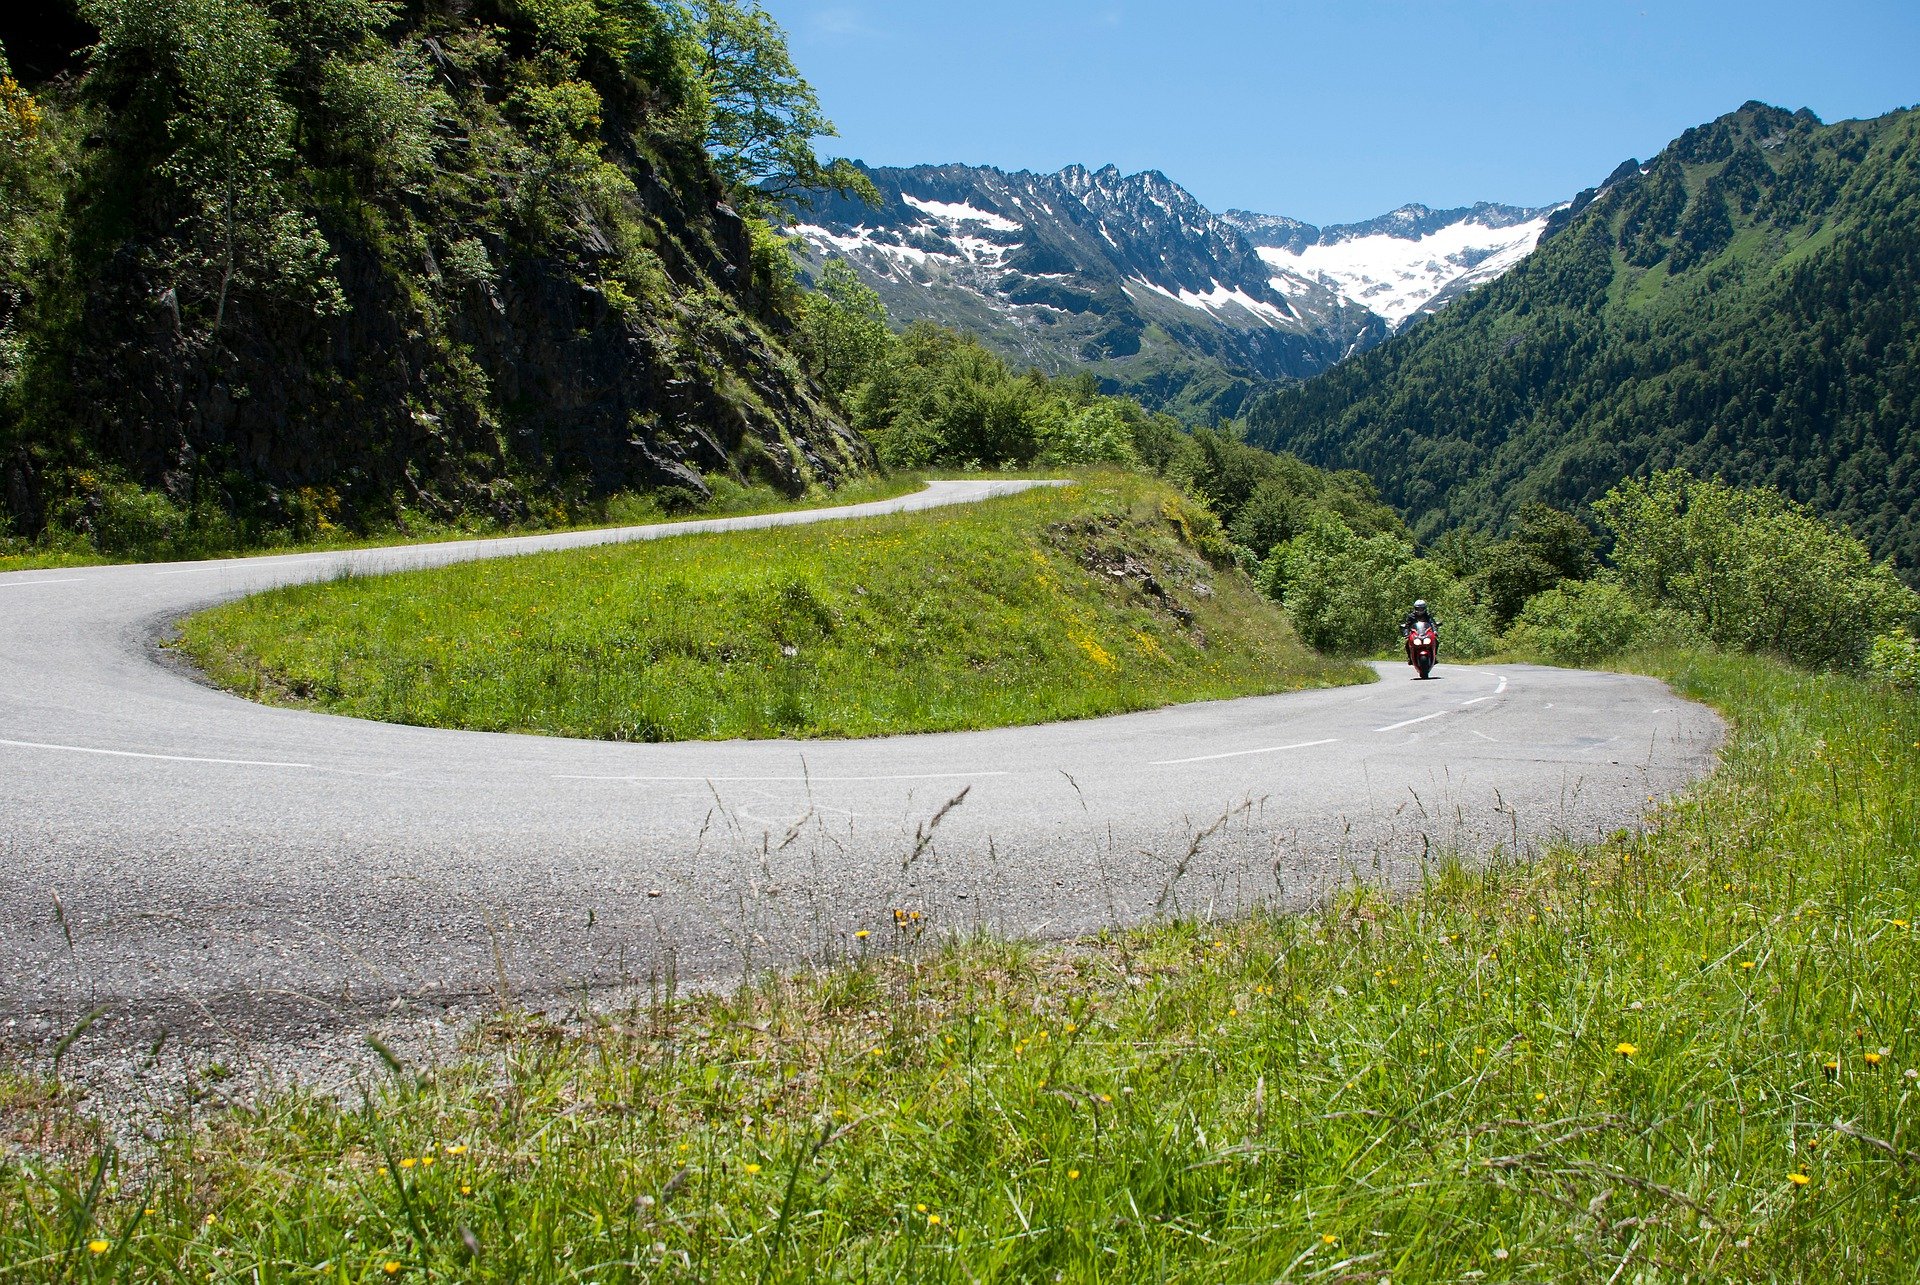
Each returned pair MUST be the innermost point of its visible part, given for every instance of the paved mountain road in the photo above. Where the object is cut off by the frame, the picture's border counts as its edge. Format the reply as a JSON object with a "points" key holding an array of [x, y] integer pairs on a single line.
{"points": [[178, 856]]}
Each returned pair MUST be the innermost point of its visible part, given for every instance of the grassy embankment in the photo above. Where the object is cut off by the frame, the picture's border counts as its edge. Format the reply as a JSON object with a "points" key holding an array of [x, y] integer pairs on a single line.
{"points": [[1060, 603], [729, 500], [1684, 1054]]}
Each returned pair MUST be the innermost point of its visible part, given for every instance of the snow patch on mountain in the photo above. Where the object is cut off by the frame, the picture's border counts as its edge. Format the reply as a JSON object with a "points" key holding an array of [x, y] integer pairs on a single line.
{"points": [[960, 212], [1396, 275], [1220, 299]]}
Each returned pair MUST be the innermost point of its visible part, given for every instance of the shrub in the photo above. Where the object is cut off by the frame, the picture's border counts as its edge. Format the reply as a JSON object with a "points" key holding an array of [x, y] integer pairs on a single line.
{"points": [[1579, 623], [1346, 593], [1753, 570], [1895, 658]]}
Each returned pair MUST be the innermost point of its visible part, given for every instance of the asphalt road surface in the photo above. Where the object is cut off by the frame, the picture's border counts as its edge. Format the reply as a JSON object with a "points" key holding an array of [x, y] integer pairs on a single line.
{"points": [[182, 859]]}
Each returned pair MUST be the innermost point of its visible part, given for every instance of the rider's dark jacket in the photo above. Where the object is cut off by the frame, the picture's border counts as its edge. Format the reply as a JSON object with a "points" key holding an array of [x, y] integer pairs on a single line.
{"points": [[1415, 616]]}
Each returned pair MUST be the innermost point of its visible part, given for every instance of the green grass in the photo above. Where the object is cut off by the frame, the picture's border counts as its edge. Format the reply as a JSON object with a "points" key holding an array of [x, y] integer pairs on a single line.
{"points": [[1607, 1065], [1060, 603], [730, 499]]}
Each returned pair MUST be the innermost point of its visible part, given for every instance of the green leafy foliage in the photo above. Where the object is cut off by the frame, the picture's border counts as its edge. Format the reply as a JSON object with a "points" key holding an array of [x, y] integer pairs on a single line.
{"points": [[1753, 570], [1580, 623], [761, 116], [1747, 309], [471, 261], [1895, 658]]}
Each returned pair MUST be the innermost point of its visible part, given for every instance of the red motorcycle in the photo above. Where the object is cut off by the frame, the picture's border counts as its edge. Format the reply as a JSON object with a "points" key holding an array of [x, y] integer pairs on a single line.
{"points": [[1423, 646]]}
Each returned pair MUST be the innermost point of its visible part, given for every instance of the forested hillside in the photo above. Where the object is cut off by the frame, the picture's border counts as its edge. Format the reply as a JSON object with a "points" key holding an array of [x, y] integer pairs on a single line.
{"points": [[1747, 304], [272, 265]]}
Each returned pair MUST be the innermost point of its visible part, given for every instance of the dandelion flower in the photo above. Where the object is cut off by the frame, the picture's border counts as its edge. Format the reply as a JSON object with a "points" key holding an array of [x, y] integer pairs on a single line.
{"points": [[457, 1149], [933, 1220], [920, 1209], [408, 1162], [1073, 1175], [1872, 1059], [465, 1189], [753, 1168], [863, 934], [1625, 1049], [1539, 1097], [1748, 964], [99, 1246], [390, 1267], [1328, 1238], [1798, 1179]]}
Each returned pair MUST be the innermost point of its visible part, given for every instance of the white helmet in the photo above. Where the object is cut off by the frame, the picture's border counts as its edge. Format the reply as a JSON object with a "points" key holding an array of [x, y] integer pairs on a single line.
{"points": [[1419, 604]]}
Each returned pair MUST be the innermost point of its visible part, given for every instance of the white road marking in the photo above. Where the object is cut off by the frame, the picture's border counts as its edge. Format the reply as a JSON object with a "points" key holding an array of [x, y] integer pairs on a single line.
{"points": [[1235, 754], [161, 758], [1487, 698], [736, 780], [1394, 727], [34, 584], [1483, 736]]}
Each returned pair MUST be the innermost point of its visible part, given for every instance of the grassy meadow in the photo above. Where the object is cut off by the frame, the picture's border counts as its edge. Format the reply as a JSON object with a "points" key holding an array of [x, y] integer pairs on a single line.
{"points": [[1061, 603], [1679, 1055]]}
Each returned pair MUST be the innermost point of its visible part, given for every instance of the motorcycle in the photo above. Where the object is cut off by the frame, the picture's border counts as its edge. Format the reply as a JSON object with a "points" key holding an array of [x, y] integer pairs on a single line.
{"points": [[1423, 646]]}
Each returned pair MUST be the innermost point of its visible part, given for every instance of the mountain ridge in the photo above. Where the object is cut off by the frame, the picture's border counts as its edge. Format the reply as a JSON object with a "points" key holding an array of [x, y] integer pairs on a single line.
{"points": [[1129, 274], [1746, 304]]}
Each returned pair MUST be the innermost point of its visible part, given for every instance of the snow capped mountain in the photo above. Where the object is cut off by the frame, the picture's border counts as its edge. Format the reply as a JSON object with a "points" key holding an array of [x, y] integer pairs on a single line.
{"points": [[1404, 264], [1131, 277]]}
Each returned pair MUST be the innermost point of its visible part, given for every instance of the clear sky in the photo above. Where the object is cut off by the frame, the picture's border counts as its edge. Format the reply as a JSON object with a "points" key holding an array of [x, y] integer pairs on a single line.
{"points": [[1333, 110]]}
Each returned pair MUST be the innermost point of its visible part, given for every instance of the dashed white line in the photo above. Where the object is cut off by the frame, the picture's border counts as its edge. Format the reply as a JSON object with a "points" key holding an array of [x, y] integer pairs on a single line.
{"points": [[1394, 727], [34, 584], [1235, 754], [161, 758], [737, 780]]}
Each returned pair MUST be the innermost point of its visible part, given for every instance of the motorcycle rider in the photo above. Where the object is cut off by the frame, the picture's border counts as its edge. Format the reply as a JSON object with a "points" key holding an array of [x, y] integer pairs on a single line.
{"points": [[1420, 615]]}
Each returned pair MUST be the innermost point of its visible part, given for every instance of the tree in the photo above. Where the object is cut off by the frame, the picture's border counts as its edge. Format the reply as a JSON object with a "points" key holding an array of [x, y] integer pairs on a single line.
{"points": [[1753, 570], [1547, 546], [762, 116], [232, 151], [843, 328]]}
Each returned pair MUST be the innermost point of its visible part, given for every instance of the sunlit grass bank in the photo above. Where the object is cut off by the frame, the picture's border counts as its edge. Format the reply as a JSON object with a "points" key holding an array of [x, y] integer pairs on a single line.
{"points": [[1685, 1055], [1059, 603]]}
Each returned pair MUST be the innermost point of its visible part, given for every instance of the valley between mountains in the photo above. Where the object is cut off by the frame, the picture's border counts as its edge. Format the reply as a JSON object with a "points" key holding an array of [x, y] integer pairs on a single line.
{"points": [[1132, 279]]}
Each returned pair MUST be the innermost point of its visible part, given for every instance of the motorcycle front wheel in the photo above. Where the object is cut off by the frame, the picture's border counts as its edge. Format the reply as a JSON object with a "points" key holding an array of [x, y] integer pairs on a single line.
{"points": [[1424, 664]]}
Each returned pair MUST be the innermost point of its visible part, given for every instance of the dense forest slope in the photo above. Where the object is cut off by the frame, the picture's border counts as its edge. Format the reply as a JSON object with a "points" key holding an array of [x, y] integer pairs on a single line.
{"points": [[1746, 304], [276, 265]]}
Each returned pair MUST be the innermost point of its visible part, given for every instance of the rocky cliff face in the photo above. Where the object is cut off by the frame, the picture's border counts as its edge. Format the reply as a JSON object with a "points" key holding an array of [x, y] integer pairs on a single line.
{"points": [[554, 303]]}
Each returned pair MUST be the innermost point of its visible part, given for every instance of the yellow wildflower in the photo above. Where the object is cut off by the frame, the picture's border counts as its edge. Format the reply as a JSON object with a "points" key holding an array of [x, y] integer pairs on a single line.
{"points": [[752, 1168], [1798, 1179], [1625, 1049], [99, 1246]]}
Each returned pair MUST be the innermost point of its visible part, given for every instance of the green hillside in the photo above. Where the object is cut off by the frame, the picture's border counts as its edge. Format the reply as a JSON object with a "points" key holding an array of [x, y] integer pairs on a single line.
{"points": [[1746, 304], [271, 268]]}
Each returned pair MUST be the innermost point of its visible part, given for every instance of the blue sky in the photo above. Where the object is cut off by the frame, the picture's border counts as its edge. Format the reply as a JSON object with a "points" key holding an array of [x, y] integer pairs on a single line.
{"points": [[1333, 110]]}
